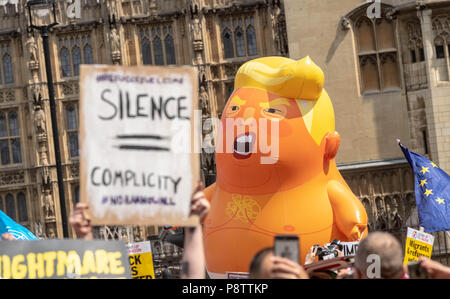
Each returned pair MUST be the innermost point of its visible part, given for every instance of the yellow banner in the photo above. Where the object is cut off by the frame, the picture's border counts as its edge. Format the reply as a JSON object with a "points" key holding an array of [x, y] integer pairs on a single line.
{"points": [[417, 244], [141, 260]]}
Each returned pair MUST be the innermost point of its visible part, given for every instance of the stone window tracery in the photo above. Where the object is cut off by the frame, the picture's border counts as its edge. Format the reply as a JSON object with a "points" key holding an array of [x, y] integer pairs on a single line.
{"points": [[10, 148], [157, 45], [238, 36], [6, 67], [15, 206], [377, 54], [415, 43], [75, 50], [72, 129]]}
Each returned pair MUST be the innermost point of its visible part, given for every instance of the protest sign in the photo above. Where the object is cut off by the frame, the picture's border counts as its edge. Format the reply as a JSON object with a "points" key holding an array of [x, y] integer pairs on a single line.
{"points": [[137, 130], [141, 260], [57, 259], [349, 248], [417, 244]]}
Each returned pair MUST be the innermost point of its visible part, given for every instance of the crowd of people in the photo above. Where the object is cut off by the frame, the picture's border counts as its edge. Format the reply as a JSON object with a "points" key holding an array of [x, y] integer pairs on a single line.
{"points": [[266, 265]]}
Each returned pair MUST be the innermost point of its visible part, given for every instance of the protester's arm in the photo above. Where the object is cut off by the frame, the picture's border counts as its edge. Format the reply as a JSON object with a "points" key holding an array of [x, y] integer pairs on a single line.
{"points": [[193, 263], [435, 270], [283, 268], [81, 222]]}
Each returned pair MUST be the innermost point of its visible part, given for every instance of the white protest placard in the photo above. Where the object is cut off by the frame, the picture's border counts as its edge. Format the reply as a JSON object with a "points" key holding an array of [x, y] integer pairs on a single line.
{"points": [[349, 248], [137, 160]]}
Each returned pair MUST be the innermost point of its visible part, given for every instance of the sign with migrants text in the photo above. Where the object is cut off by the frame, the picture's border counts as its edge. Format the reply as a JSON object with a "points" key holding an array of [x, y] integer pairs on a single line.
{"points": [[417, 244], [138, 162], [141, 260], [60, 259]]}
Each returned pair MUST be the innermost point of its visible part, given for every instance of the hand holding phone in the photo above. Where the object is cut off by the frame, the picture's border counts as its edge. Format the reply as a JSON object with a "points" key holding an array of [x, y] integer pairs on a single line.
{"points": [[416, 271]]}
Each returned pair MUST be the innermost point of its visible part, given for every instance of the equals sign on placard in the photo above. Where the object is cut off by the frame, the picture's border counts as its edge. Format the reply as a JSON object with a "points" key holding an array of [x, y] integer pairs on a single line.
{"points": [[131, 142]]}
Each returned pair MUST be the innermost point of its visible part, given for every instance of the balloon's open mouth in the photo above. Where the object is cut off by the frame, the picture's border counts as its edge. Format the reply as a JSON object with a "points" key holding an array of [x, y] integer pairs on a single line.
{"points": [[243, 145]]}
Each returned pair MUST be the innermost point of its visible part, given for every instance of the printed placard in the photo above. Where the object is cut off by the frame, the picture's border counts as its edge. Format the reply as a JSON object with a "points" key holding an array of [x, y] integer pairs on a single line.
{"points": [[141, 260], [349, 248], [417, 244], [58, 259], [137, 157]]}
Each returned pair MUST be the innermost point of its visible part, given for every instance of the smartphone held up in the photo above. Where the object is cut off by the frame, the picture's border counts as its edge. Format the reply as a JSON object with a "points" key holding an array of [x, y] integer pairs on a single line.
{"points": [[287, 246]]}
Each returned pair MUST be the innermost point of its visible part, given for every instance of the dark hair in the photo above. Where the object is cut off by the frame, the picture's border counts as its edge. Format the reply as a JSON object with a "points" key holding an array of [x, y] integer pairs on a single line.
{"points": [[255, 264]]}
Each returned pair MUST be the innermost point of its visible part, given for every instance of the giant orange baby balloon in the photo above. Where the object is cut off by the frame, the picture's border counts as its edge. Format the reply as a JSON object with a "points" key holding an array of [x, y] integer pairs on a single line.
{"points": [[276, 172]]}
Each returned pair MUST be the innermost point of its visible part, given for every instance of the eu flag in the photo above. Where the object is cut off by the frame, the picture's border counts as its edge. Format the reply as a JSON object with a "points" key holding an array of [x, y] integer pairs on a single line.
{"points": [[432, 188], [7, 225]]}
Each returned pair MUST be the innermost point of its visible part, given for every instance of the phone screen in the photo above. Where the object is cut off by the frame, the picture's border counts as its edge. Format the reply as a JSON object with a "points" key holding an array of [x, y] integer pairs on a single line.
{"points": [[287, 246]]}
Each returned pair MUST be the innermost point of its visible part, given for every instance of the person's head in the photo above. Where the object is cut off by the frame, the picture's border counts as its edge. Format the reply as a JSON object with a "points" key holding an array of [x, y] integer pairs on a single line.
{"points": [[260, 264], [379, 256]]}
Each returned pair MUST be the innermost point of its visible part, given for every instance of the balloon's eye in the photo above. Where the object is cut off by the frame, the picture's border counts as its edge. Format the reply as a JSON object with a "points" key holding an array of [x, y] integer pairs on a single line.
{"points": [[278, 112], [233, 110]]}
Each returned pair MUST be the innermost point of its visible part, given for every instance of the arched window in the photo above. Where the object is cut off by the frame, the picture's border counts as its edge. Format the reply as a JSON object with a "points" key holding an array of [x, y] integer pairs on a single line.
{"points": [[76, 59], [251, 41], [10, 149], [4, 144], [240, 42], [159, 41], [13, 124], [8, 69], [389, 69], [439, 46], [146, 51], [3, 127], [22, 204], [385, 35], [227, 39], [71, 117], [14, 132], [170, 50], [158, 51], [72, 130], [75, 50], [369, 73], [11, 207], [88, 54], [65, 62], [365, 35], [376, 50]]}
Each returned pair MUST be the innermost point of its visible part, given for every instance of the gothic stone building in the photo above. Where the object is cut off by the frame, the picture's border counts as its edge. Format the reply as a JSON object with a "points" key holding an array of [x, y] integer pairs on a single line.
{"points": [[216, 36], [387, 72]]}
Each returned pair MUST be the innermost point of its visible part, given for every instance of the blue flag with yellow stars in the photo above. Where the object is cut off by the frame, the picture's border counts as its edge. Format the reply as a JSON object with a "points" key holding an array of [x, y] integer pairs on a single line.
{"points": [[432, 188]]}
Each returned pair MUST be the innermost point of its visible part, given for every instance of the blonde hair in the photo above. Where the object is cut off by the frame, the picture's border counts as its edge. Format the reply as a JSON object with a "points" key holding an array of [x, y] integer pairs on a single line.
{"points": [[301, 80]]}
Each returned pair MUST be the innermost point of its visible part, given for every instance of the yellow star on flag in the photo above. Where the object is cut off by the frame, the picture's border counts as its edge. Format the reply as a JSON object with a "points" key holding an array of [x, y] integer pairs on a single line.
{"points": [[428, 192], [434, 165], [424, 170], [423, 182], [440, 200]]}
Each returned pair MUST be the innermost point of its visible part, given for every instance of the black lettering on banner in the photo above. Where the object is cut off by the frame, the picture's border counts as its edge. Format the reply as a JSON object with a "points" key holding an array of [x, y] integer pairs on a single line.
{"points": [[143, 106], [110, 103]]}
